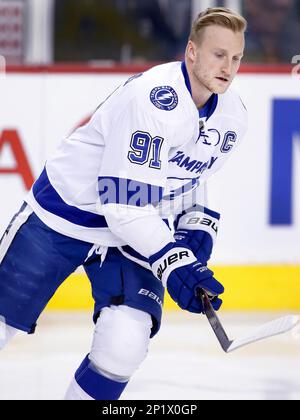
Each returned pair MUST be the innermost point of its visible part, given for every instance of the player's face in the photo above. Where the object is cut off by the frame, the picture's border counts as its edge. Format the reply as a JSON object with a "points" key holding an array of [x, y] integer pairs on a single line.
{"points": [[217, 59]]}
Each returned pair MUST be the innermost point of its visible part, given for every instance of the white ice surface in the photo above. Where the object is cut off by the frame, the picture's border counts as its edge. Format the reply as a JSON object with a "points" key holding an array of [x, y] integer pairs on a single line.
{"points": [[185, 361]]}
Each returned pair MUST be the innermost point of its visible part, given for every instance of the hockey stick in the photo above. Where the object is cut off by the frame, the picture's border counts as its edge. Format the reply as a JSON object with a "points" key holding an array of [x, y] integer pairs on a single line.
{"points": [[276, 327]]}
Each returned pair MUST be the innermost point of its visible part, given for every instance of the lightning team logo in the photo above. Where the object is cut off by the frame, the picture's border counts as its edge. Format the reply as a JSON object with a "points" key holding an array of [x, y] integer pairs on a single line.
{"points": [[164, 98]]}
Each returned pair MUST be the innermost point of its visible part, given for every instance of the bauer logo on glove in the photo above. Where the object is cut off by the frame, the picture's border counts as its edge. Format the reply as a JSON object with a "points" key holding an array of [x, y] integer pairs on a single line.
{"points": [[197, 228], [184, 276], [170, 260]]}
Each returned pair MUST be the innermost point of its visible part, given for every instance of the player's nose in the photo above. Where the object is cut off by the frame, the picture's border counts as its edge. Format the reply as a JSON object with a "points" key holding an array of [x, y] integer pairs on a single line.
{"points": [[226, 68]]}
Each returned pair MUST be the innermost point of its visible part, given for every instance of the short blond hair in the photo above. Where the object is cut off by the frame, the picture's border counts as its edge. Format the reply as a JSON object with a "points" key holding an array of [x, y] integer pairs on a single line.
{"points": [[217, 16]]}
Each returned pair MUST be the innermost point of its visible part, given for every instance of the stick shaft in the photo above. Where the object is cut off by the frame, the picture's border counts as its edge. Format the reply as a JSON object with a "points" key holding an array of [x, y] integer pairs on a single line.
{"points": [[214, 320]]}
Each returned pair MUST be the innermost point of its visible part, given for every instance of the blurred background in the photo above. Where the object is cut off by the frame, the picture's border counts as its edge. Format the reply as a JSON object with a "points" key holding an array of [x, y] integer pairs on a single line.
{"points": [[58, 60], [133, 31]]}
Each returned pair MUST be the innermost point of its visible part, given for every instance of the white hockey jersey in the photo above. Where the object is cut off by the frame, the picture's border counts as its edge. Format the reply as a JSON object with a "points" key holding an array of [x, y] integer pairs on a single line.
{"points": [[141, 158]]}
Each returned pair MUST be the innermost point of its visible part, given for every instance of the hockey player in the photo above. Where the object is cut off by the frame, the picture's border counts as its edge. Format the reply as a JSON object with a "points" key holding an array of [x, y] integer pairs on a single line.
{"points": [[104, 198]]}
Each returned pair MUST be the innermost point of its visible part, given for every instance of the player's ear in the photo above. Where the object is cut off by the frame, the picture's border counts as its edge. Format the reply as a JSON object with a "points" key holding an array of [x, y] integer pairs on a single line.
{"points": [[191, 51]]}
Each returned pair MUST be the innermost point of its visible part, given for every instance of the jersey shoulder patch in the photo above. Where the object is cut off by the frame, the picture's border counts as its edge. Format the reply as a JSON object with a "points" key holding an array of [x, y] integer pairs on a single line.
{"points": [[164, 98]]}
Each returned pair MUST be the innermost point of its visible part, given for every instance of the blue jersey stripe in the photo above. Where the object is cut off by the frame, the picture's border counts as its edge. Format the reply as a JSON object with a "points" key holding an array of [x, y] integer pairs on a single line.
{"points": [[186, 77], [48, 198], [128, 192]]}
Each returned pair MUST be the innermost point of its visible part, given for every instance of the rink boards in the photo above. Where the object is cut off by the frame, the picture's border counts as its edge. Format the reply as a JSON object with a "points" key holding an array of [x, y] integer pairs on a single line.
{"points": [[247, 288]]}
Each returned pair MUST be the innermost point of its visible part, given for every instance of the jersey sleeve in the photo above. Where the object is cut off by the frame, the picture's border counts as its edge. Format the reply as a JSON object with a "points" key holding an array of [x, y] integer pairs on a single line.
{"points": [[133, 176]]}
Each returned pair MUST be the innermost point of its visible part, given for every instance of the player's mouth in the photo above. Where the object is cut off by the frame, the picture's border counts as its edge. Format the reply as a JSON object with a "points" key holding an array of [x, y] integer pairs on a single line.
{"points": [[223, 79]]}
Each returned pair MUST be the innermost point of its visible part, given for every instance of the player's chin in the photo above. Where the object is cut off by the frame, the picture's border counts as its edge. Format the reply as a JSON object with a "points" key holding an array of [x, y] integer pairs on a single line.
{"points": [[220, 86]]}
